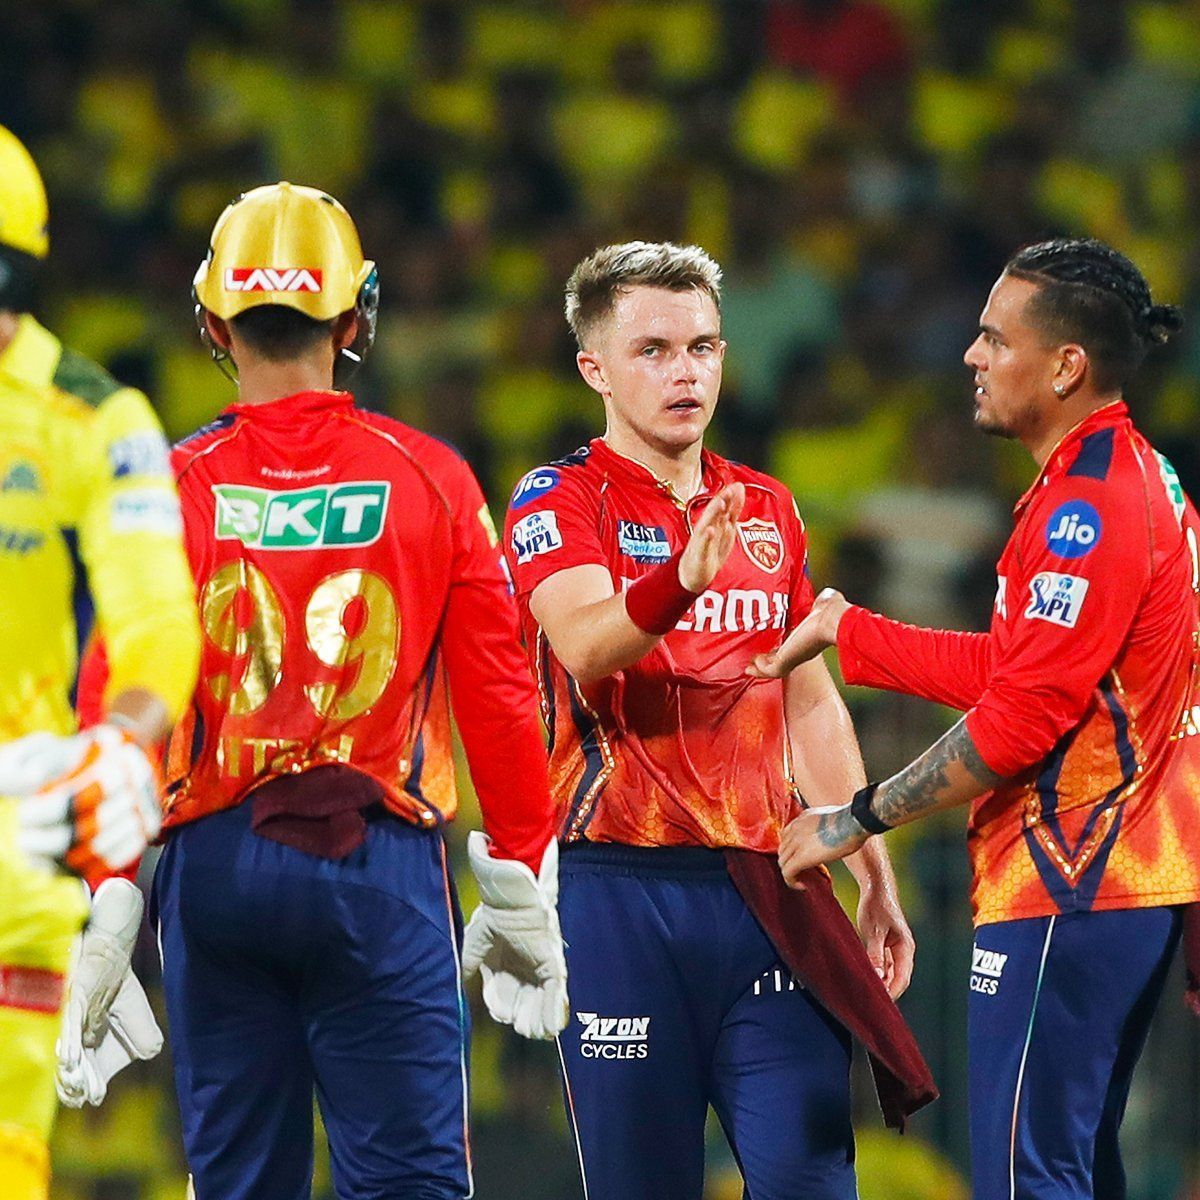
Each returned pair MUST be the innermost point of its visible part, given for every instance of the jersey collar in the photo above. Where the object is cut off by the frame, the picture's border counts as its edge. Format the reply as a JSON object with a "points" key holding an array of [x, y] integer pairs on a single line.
{"points": [[714, 473], [1108, 417], [31, 358], [294, 407]]}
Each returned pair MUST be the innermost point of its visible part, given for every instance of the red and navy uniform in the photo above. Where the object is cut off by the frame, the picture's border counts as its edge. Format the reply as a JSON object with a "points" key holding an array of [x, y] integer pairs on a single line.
{"points": [[350, 587], [1083, 697], [682, 748], [679, 1000]]}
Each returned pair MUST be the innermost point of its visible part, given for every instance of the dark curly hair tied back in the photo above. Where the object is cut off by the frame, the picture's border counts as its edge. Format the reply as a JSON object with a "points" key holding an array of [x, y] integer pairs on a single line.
{"points": [[1091, 294]]}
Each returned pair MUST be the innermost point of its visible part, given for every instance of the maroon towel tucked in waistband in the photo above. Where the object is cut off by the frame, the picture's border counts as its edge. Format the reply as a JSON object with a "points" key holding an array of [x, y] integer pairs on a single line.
{"points": [[318, 811], [821, 947]]}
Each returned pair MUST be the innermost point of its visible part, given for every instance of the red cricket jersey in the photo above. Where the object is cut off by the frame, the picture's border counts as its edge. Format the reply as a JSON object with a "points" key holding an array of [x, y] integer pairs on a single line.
{"points": [[347, 570], [1084, 693], [681, 748]]}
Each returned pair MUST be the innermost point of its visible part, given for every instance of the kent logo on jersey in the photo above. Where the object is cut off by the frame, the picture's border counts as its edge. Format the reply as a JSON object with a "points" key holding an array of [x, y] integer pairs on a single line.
{"points": [[643, 543], [1056, 598], [273, 279], [326, 517], [1073, 529]]}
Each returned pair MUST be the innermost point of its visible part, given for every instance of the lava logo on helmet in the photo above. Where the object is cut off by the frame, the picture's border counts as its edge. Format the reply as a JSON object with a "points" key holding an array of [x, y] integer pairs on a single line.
{"points": [[536, 483], [762, 542], [272, 279], [1073, 529], [325, 517]]}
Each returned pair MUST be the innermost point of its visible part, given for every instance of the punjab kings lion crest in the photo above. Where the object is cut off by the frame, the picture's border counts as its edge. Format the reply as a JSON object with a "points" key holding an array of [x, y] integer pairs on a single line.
{"points": [[763, 542]]}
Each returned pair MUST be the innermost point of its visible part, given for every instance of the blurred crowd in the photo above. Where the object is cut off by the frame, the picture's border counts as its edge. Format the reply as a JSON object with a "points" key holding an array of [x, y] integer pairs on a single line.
{"points": [[861, 168]]}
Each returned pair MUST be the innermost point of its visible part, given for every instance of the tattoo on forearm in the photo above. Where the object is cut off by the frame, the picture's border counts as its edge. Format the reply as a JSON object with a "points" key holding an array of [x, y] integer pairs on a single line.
{"points": [[837, 828], [917, 789]]}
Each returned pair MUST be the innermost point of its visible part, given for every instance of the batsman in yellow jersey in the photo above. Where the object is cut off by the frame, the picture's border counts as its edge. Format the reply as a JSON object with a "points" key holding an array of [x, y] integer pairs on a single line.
{"points": [[85, 495]]}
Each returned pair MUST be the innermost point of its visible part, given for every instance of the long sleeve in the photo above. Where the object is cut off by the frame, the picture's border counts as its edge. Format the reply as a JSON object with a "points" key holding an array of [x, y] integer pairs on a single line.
{"points": [[934, 664], [1083, 591]]}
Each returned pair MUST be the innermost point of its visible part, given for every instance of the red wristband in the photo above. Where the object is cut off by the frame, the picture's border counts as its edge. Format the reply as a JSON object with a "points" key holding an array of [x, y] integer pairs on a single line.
{"points": [[656, 602]]}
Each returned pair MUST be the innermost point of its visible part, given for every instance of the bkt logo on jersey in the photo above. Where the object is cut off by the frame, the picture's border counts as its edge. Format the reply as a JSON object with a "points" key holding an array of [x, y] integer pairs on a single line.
{"points": [[536, 483], [536, 534], [614, 1038], [1073, 529], [329, 517], [1056, 598], [987, 967], [643, 543], [272, 279]]}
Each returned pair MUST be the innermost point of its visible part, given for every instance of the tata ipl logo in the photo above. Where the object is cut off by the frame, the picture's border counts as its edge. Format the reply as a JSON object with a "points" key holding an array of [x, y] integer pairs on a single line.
{"points": [[327, 517]]}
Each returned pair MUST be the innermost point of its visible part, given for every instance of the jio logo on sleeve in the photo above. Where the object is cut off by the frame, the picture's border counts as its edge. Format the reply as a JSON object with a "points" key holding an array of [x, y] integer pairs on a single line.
{"points": [[1073, 529]]}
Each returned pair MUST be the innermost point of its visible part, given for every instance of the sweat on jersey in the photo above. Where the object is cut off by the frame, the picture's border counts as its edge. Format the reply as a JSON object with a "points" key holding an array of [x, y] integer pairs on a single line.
{"points": [[682, 748], [347, 572], [1083, 696]]}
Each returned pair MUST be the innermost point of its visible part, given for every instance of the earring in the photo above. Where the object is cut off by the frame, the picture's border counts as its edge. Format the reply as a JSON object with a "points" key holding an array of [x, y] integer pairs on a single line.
{"points": [[1059, 389]]}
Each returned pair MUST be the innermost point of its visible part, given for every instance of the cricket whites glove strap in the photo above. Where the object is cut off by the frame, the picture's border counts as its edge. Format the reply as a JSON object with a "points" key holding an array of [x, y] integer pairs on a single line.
{"points": [[96, 815], [107, 1022], [514, 942]]}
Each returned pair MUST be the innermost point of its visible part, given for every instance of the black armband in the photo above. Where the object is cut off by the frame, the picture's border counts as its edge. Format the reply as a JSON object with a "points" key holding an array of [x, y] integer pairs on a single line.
{"points": [[860, 810]]}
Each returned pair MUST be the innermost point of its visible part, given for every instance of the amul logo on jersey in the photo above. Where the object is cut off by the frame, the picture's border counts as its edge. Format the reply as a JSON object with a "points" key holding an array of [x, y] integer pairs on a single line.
{"points": [[614, 1038], [272, 279], [330, 516]]}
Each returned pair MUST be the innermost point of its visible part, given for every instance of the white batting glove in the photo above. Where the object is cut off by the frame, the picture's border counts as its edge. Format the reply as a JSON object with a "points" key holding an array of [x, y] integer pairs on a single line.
{"points": [[31, 762], [99, 815], [107, 1022], [513, 940]]}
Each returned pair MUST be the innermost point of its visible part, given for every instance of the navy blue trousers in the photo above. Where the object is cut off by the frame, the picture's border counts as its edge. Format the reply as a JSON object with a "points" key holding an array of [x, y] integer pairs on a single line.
{"points": [[287, 974], [1058, 1015], [679, 1001]]}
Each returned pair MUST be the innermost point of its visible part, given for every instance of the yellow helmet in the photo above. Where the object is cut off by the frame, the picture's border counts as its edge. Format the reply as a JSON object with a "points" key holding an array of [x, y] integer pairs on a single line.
{"points": [[294, 246], [23, 209]]}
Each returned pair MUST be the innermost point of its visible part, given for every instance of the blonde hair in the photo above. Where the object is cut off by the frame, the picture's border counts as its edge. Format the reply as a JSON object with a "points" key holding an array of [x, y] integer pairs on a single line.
{"points": [[594, 284]]}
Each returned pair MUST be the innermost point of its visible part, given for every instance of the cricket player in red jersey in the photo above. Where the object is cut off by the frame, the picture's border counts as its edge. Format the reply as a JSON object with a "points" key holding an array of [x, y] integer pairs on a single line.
{"points": [[649, 572], [1078, 753], [347, 572]]}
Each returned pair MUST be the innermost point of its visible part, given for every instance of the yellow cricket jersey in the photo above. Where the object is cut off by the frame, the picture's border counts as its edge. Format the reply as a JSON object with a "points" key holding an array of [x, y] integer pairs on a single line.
{"points": [[84, 474]]}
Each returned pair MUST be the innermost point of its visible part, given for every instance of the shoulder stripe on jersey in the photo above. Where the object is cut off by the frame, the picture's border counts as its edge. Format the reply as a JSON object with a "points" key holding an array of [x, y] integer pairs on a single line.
{"points": [[577, 458], [222, 422], [1095, 455], [83, 379]]}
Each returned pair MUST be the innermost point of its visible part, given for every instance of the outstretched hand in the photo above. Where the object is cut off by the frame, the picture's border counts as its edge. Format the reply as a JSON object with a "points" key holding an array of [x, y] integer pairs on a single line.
{"points": [[712, 538], [817, 632]]}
